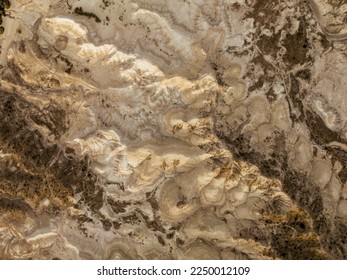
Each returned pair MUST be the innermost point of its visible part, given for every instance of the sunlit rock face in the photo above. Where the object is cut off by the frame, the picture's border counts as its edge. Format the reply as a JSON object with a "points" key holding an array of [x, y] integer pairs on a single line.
{"points": [[191, 129]]}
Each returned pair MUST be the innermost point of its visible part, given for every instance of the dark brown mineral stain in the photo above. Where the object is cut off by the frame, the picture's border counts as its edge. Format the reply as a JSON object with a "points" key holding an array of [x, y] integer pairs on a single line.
{"points": [[322, 135], [341, 156], [297, 45], [268, 45], [107, 225], [29, 145], [4, 6], [264, 12], [257, 85], [47, 171], [132, 218], [295, 100], [22, 47], [154, 203], [179, 242], [12, 74], [268, 76], [69, 65], [154, 224], [293, 238], [300, 247], [7, 204], [51, 117], [79, 11], [304, 74], [160, 240], [266, 15], [118, 206], [296, 185]]}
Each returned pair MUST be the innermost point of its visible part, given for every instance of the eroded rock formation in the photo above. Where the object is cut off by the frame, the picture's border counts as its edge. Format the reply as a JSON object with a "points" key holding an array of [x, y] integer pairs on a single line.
{"points": [[189, 129]]}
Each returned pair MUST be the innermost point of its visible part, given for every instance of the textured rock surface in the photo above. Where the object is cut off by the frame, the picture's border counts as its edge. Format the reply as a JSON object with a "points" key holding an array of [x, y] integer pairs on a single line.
{"points": [[187, 129]]}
